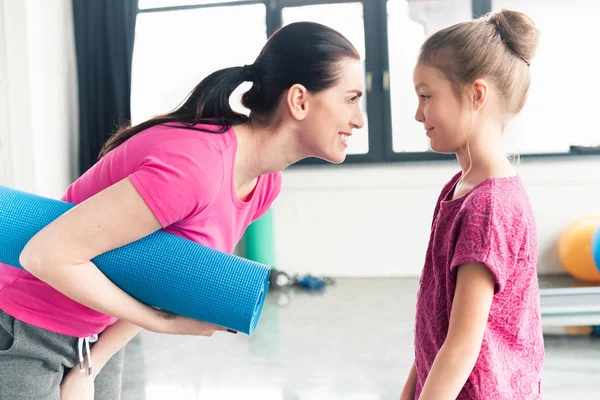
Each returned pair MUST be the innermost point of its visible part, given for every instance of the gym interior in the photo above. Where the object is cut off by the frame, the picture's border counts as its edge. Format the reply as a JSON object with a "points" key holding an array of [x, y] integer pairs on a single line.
{"points": [[344, 244]]}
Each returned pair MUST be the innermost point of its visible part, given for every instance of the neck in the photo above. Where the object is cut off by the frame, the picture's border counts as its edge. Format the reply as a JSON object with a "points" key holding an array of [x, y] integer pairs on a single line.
{"points": [[263, 151], [484, 158]]}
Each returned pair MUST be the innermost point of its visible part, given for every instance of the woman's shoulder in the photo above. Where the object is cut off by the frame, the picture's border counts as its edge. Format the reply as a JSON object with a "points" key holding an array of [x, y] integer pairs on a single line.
{"points": [[271, 183], [173, 135]]}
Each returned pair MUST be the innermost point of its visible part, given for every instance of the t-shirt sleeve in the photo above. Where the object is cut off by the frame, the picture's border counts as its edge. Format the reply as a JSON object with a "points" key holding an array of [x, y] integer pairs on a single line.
{"points": [[272, 190], [487, 234], [179, 179]]}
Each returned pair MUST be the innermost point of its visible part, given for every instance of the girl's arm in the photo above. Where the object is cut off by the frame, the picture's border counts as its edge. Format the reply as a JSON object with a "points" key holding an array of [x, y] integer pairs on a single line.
{"points": [[60, 255], [468, 319], [408, 392]]}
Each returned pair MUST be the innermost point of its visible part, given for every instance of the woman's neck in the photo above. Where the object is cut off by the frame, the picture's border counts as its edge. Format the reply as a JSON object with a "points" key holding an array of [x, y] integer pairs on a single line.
{"points": [[263, 151]]}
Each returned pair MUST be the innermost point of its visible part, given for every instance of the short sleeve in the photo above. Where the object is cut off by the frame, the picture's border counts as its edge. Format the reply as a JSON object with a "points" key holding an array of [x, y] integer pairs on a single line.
{"points": [[272, 188], [487, 234], [179, 178]]}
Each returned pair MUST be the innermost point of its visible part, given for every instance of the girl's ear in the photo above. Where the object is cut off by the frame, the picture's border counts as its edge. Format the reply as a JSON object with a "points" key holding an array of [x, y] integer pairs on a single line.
{"points": [[480, 93]]}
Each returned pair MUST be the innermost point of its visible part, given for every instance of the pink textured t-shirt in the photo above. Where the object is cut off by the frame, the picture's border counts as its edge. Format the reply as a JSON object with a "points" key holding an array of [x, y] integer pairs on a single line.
{"points": [[494, 225], [186, 178]]}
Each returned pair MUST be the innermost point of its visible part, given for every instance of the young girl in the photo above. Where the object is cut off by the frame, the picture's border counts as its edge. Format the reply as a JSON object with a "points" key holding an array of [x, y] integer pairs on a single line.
{"points": [[478, 333], [202, 172]]}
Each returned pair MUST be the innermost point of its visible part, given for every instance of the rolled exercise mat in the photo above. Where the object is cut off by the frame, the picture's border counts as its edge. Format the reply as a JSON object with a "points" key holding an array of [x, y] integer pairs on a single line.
{"points": [[161, 270]]}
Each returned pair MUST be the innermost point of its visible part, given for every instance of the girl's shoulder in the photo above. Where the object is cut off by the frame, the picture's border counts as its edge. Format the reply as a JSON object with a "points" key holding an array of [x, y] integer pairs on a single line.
{"points": [[502, 201], [448, 188]]}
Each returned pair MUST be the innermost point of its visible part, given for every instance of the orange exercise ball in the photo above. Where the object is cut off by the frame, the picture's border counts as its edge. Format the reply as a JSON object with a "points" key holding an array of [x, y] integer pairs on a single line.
{"points": [[575, 249]]}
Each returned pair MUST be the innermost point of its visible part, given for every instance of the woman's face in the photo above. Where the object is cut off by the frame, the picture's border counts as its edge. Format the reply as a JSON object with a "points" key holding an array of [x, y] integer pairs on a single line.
{"points": [[333, 114]]}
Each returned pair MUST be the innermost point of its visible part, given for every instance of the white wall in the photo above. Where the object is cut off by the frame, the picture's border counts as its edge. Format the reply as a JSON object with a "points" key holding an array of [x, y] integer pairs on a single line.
{"points": [[356, 220], [18, 122], [4, 150], [38, 107]]}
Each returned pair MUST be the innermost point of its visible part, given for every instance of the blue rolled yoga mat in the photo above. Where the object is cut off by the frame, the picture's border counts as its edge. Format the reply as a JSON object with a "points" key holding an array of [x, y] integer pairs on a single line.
{"points": [[161, 270]]}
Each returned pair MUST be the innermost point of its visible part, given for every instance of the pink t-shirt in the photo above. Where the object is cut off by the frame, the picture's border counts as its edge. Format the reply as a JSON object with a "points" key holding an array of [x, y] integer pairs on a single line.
{"points": [[494, 225], [186, 178]]}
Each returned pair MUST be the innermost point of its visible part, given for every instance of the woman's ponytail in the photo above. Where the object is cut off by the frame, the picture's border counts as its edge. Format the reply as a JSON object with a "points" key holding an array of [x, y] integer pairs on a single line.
{"points": [[208, 103]]}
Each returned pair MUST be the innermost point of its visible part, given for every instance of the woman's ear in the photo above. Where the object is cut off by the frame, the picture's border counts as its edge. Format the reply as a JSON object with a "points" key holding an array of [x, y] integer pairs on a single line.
{"points": [[297, 101]]}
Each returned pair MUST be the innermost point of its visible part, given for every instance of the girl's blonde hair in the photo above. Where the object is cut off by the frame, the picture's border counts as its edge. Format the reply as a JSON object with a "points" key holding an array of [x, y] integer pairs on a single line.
{"points": [[498, 46]]}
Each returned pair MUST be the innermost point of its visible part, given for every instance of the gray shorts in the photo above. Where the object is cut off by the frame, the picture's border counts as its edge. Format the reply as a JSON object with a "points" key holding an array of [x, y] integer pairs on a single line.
{"points": [[33, 362]]}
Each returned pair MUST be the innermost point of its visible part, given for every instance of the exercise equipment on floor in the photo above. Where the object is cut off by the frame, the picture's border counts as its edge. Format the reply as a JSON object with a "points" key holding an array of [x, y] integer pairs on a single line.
{"points": [[570, 304], [161, 270], [259, 241], [280, 279], [579, 249]]}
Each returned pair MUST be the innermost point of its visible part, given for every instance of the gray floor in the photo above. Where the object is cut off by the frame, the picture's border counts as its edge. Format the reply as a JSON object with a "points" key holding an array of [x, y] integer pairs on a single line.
{"points": [[352, 342]]}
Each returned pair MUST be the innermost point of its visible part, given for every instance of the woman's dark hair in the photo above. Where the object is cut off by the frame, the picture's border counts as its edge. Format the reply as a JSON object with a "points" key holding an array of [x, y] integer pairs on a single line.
{"points": [[303, 53]]}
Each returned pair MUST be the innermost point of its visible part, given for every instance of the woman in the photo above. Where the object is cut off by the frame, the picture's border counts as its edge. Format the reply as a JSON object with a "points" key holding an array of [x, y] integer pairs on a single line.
{"points": [[203, 172]]}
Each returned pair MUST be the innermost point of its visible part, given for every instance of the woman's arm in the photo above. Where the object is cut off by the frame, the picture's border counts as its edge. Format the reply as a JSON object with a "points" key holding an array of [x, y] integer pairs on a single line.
{"points": [[80, 386], [60, 255], [468, 319], [113, 339], [408, 392]]}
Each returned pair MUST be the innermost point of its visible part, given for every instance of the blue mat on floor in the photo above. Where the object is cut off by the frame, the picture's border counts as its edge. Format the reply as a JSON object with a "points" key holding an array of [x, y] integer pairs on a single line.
{"points": [[161, 270]]}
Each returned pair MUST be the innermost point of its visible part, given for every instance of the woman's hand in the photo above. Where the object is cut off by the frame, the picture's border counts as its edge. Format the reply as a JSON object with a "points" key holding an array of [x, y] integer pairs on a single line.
{"points": [[178, 325], [77, 385]]}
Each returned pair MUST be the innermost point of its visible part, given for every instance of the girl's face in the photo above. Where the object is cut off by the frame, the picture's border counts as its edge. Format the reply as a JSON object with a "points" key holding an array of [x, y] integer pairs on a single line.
{"points": [[333, 114], [444, 115]]}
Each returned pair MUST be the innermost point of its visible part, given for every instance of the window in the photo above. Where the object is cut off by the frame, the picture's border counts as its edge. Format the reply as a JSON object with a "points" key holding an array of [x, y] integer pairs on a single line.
{"points": [[409, 23], [563, 94], [175, 50], [146, 4], [177, 43], [346, 18]]}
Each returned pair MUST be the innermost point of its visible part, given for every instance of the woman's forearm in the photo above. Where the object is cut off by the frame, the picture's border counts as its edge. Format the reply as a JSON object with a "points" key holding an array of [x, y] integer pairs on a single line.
{"points": [[87, 285], [60, 253]]}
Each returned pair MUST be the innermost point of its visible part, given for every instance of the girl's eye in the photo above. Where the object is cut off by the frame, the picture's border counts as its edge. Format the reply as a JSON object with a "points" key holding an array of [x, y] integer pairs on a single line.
{"points": [[352, 100], [424, 96]]}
